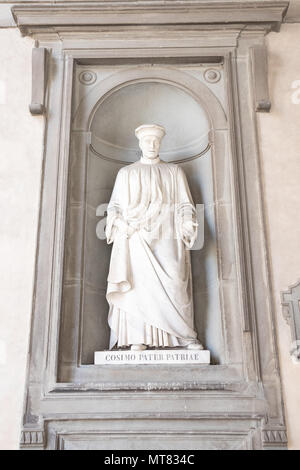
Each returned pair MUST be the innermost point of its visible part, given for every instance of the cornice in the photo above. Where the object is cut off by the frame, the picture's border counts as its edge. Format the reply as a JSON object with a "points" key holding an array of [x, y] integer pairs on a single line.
{"points": [[84, 15]]}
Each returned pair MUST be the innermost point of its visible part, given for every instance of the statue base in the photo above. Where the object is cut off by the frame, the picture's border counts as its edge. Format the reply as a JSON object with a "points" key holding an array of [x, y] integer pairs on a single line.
{"points": [[152, 356]]}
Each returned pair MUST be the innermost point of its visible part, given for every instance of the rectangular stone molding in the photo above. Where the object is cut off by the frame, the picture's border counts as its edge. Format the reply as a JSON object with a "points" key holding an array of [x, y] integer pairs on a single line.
{"points": [[148, 13], [290, 301], [38, 80], [274, 439], [32, 439], [214, 52], [260, 78]]}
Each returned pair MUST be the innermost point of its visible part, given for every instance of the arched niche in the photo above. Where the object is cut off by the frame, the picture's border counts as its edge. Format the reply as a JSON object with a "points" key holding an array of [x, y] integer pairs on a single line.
{"points": [[102, 141], [84, 113], [122, 111]]}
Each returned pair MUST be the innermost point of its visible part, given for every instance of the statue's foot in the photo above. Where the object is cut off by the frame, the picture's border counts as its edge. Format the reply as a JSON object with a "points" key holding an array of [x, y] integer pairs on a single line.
{"points": [[138, 347], [195, 345]]}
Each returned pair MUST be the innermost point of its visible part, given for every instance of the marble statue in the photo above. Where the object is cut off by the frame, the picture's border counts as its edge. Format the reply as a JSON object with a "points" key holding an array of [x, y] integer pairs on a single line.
{"points": [[151, 221]]}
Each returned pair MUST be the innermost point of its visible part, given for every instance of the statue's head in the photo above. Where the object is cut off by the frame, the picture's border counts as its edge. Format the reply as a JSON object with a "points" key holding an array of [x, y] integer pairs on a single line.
{"points": [[150, 136]]}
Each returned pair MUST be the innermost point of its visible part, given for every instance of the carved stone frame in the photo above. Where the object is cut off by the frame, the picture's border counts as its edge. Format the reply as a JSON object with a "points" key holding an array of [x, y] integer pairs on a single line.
{"points": [[290, 301], [222, 406]]}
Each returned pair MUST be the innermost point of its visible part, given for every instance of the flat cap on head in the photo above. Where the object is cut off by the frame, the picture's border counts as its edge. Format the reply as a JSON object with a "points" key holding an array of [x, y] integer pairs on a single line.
{"points": [[150, 129]]}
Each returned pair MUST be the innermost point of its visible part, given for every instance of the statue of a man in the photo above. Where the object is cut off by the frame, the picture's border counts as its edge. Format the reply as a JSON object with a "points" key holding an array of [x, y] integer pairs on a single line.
{"points": [[151, 222]]}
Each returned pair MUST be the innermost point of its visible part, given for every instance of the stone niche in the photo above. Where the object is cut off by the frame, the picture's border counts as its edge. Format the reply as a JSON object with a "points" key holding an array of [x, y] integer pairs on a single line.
{"points": [[201, 72], [93, 173]]}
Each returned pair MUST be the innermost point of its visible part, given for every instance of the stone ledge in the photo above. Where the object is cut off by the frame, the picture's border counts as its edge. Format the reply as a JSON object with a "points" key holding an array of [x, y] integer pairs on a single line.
{"points": [[30, 16]]}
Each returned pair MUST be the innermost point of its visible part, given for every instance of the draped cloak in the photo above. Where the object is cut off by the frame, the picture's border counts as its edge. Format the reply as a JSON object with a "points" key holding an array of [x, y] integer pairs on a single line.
{"points": [[149, 287]]}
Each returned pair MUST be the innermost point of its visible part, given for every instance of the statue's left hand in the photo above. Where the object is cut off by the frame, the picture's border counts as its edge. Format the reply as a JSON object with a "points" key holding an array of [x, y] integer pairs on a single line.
{"points": [[130, 231], [188, 228]]}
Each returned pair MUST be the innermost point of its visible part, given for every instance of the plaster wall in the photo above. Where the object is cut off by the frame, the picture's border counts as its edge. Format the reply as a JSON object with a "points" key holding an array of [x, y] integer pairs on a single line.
{"points": [[21, 140], [280, 143]]}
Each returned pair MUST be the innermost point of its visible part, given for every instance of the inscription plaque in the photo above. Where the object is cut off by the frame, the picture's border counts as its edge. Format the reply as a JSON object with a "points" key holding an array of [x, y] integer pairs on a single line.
{"points": [[155, 356]]}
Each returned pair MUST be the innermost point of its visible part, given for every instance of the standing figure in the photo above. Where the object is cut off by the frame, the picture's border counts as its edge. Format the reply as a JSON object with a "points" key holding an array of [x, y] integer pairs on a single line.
{"points": [[152, 224]]}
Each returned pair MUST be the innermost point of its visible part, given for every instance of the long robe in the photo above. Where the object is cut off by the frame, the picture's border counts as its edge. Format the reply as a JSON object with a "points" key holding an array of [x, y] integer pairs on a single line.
{"points": [[149, 287]]}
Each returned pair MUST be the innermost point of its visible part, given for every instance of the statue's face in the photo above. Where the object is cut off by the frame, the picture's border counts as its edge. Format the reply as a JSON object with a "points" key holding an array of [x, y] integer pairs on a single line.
{"points": [[149, 145]]}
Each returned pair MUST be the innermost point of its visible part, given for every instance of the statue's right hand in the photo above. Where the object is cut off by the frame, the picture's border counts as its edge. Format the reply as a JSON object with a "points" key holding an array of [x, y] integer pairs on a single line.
{"points": [[124, 228]]}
